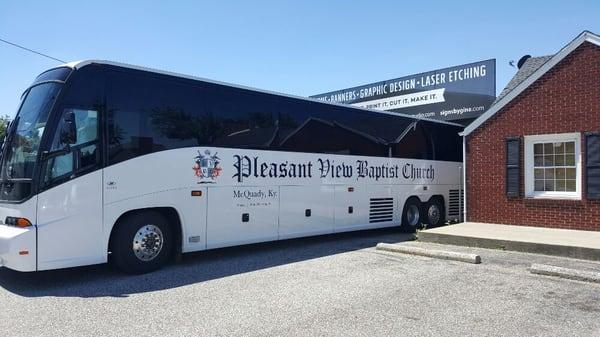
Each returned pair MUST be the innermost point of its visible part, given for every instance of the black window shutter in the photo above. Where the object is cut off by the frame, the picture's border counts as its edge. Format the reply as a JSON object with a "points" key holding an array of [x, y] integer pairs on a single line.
{"points": [[513, 149], [592, 164]]}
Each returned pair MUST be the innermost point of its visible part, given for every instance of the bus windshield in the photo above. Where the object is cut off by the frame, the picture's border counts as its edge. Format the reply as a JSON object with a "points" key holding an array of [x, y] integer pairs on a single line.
{"points": [[23, 141]]}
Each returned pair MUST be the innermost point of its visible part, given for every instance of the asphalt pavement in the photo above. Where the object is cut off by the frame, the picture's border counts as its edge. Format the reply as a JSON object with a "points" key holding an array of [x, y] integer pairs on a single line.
{"points": [[336, 285]]}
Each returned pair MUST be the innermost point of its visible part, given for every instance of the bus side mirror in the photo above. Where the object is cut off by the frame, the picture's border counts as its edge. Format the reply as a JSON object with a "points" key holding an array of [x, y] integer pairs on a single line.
{"points": [[68, 133]]}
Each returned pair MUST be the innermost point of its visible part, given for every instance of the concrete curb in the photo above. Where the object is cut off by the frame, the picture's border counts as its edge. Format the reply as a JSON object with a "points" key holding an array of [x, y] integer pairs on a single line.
{"points": [[572, 274], [438, 254], [518, 246]]}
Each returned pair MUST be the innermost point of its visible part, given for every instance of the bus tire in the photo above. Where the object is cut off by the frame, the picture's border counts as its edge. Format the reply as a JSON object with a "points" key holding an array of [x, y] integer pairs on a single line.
{"points": [[142, 242], [411, 215], [434, 213]]}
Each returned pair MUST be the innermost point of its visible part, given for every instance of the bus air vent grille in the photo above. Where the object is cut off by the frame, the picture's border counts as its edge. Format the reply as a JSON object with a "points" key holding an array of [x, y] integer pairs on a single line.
{"points": [[381, 210], [454, 203]]}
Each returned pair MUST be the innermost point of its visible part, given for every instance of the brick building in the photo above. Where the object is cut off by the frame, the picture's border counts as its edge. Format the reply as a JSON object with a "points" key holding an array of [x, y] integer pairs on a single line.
{"points": [[534, 157]]}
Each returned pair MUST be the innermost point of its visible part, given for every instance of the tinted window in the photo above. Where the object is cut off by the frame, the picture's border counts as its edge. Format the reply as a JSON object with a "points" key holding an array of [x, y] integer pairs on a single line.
{"points": [[240, 118], [415, 143], [150, 112], [154, 113], [59, 74], [428, 140], [314, 127], [145, 115], [85, 148], [85, 89], [447, 144]]}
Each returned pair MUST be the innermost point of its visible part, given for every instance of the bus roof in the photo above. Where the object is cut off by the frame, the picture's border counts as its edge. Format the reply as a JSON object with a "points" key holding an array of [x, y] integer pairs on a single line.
{"points": [[80, 64]]}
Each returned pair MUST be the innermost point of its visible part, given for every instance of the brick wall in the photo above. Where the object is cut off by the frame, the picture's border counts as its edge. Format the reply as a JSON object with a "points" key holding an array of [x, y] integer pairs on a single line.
{"points": [[565, 99]]}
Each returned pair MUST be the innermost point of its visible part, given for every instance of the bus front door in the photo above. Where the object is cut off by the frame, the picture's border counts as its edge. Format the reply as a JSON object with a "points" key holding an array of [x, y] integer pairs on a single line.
{"points": [[69, 216]]}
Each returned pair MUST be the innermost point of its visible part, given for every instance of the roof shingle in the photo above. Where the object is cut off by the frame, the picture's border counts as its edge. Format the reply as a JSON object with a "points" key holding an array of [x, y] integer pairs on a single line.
{"points": [[529, 67]]}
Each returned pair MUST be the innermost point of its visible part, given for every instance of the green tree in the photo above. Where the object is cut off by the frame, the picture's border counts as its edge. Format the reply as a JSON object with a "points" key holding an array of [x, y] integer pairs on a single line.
{"points": [[3, 124]]}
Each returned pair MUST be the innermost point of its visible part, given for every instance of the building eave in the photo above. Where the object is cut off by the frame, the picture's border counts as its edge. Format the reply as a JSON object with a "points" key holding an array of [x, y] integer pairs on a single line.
{"points": [[585, 36]]}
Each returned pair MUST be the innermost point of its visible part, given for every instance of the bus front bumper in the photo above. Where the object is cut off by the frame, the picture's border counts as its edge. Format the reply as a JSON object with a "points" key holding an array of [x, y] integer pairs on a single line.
{"points": [[18, 248]]}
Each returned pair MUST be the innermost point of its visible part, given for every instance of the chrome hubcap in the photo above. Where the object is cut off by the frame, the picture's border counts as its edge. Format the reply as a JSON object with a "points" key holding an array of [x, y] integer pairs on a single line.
{"points": [[412, 215], [433, 213], [147, 242]]}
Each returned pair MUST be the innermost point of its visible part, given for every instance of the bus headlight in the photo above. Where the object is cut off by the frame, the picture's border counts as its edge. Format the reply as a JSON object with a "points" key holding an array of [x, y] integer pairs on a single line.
{"points": [[17, 222]]}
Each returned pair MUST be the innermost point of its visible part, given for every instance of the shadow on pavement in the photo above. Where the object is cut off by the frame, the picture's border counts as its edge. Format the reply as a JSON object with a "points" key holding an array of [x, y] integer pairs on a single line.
{"points": [[102, 280]]}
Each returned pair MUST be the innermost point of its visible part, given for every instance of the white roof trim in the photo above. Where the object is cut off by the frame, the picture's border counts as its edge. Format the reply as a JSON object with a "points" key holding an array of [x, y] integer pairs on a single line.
{"points": [[583, 37], [80, 64]]}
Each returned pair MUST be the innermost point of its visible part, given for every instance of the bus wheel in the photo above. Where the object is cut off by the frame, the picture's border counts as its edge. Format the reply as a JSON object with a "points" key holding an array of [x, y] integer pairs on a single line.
{"points": [[411, 215], [142, 242], [435, 213]]}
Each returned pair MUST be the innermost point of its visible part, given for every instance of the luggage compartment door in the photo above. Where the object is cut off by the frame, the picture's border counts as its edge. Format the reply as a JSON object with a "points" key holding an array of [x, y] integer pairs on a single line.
{"points": [[305, 211], [351, 208], [241, 215]]}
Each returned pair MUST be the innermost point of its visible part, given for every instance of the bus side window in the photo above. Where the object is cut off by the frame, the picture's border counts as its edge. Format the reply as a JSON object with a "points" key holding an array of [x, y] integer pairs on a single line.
{"points": [[415, 144], [83, 154]]}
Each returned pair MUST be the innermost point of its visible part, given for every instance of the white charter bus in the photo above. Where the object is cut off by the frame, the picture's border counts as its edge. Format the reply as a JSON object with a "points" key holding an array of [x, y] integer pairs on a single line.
{"points": [[106, 161]]}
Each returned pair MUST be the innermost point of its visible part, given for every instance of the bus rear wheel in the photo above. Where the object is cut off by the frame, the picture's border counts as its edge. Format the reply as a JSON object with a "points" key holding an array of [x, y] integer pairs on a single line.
{"points": [[435, 213], [142, 242], [411, 215]]}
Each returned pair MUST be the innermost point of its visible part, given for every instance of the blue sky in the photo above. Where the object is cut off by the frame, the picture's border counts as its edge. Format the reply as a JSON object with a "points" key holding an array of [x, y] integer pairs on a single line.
{"points": [[297, 47]]}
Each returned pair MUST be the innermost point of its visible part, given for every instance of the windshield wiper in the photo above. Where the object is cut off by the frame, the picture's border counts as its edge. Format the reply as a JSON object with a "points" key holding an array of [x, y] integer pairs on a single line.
{"points": [[9, 183], [15, 180]]}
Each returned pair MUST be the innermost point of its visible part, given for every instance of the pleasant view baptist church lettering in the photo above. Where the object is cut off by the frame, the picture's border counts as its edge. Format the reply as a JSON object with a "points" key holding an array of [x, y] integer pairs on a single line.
{"points": [[246, 167]]}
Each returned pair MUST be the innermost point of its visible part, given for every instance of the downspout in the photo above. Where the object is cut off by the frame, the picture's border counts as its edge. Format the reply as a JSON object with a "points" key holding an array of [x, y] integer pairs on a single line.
{"points": [[464, 178]]}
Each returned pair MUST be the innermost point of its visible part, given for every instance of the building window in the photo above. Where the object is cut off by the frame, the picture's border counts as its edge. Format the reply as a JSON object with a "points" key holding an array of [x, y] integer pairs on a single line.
{"points": [[553, 166]]}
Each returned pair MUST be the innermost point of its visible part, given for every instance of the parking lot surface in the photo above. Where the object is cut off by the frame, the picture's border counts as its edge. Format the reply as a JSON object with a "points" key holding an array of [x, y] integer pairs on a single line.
{"points": [[336, 285]]}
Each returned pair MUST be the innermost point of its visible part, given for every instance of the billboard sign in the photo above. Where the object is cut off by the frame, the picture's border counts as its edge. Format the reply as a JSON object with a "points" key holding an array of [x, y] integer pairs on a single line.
{"points": [[455, 93]]}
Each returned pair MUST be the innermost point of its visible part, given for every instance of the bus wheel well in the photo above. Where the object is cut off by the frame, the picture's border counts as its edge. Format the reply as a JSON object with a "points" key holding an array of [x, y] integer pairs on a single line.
{"points": [[412, 197], [438, 197], [168, 212]]}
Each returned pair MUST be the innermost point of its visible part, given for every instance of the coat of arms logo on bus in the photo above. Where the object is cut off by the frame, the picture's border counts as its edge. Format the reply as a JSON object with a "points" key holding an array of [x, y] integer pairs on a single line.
{"points": [[207, 166]]}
